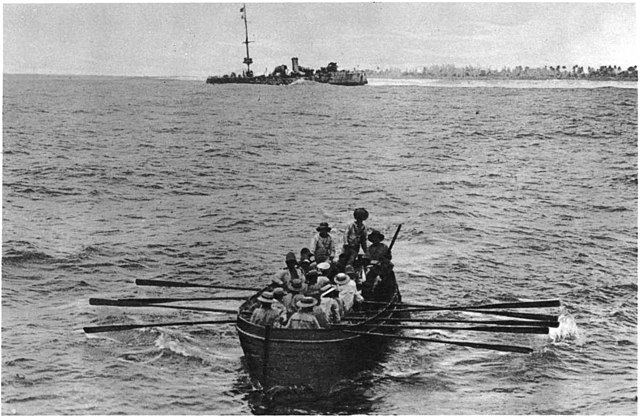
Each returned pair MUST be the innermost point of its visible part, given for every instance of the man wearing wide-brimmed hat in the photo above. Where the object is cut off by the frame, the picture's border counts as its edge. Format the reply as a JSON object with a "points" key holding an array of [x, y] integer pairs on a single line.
{"points": [[323, 240], [265, 314], [304, 318], [378, 251], [349, 294], [330, 303], [296, 290], [291, 271]]}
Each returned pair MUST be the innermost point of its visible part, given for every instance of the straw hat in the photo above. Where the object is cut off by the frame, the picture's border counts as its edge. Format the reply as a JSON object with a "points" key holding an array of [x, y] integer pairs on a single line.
{"points": [[341, 278], [306, 302], [324, 266], [295, 285], [266, 297]]}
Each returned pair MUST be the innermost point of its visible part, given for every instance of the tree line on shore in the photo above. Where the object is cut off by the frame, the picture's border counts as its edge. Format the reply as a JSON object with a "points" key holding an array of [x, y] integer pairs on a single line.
{"points": [[577, 72]]}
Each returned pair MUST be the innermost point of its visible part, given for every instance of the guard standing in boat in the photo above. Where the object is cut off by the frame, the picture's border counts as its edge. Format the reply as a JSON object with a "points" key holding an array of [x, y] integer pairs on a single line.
{"points": [[291, 271], [323, 240], [355, 236]]}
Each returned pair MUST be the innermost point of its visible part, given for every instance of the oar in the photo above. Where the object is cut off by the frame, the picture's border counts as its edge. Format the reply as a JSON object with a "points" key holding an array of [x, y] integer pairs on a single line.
{"points": [[496, 347], [147, 282], [523, 315], [109, 328], [550, 324], [552, 303], [147, 301], [513, 330], [186, 308]]}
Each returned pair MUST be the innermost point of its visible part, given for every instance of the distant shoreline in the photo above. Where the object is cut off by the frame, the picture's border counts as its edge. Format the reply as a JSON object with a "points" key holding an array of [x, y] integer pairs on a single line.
{"points": [[492, 77], [451, 72]]}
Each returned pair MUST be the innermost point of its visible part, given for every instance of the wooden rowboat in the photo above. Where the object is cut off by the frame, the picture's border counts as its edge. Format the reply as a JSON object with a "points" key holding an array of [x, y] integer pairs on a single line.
{"points": [[313, 358]]}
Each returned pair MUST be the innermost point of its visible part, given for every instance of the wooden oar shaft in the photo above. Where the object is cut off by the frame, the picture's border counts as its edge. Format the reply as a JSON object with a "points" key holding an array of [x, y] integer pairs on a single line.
{"points": [[496, 347], [513, 330], [125, 327], [147, 301], [165, 283], [523, 315], [511, 322], [186, 308], [551, 303]]}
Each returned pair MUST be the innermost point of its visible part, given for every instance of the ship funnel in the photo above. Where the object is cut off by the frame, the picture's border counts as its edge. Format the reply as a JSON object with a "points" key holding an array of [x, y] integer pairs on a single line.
{"points": [[294, 64]]}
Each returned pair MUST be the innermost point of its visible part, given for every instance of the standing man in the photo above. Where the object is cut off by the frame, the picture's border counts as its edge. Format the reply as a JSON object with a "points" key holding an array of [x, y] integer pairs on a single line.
{"points": [[323, 240], [355, 237], [291, 271]]}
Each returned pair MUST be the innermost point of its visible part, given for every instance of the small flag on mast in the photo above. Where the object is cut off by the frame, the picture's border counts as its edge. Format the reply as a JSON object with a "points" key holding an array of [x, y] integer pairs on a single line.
{"points": [[242, 9]]}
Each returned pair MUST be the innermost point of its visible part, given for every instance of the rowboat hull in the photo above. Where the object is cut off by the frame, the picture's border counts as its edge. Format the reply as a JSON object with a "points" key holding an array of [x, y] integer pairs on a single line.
{"points": [[316, 359]]}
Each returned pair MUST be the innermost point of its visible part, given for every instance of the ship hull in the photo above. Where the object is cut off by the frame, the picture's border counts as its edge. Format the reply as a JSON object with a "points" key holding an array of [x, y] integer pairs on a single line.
{"points": [[338, 78]]}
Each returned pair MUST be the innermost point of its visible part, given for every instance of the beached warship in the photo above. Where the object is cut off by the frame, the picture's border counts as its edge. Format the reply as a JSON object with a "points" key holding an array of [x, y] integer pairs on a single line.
{"points": [[281, 75]]}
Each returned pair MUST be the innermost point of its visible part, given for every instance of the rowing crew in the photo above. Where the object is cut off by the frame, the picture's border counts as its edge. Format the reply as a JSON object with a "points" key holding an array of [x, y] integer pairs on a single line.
{"points": [[305, 308]]}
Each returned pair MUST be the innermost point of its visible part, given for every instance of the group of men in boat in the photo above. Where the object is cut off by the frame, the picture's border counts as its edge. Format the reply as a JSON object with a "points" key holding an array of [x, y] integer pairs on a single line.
{"points": [[319, 290]]}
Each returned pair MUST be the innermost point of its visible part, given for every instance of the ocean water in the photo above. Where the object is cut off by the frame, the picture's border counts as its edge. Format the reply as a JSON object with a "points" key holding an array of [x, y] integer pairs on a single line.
{"points": [[504, 192]]}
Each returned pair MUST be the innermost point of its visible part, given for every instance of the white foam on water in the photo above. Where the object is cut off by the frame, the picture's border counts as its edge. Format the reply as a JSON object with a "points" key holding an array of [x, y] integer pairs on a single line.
{"points": [[568, 329]]}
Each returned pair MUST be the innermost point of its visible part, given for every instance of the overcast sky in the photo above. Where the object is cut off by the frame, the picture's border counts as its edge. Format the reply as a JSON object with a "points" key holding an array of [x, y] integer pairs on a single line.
{"points": [[200, 39]]}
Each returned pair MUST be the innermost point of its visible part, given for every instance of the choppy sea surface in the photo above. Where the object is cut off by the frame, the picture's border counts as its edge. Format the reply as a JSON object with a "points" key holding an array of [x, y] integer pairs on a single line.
{"points": [[503, 191]]}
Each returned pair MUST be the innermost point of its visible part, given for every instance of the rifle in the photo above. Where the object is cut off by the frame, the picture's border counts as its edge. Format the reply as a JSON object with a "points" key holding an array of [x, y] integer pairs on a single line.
{"points": [[393, 241]]}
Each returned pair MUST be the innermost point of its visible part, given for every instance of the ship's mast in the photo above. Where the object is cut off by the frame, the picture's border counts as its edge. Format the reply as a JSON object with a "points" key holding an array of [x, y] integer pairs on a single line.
{"points": [[247, 59]]}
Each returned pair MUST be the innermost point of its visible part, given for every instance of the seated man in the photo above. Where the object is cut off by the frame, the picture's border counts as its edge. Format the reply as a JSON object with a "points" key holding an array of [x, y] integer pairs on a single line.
{"points": [[265, 314], [349, 294], [378, 251], [304, 318]]}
